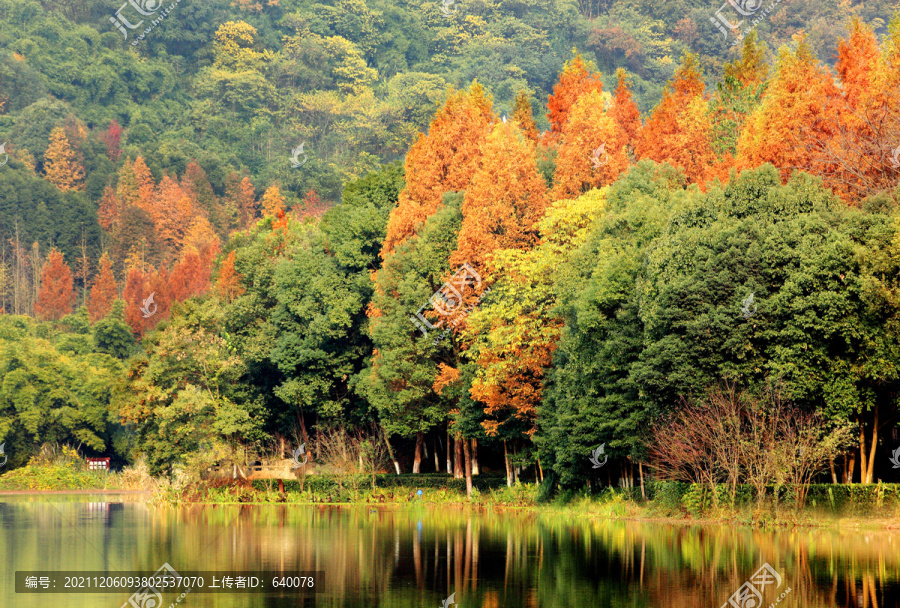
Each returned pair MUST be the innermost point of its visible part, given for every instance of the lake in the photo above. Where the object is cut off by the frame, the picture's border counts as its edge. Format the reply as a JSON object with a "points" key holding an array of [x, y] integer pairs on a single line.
{"points": [[386, 556]]}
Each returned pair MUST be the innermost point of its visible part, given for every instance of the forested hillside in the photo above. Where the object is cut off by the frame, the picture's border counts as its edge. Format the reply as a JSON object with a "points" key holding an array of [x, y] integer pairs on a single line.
{"points": [[522, 228]]}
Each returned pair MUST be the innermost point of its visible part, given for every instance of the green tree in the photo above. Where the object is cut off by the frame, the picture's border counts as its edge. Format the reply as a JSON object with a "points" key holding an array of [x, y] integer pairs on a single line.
{"points": [[188, 390]]}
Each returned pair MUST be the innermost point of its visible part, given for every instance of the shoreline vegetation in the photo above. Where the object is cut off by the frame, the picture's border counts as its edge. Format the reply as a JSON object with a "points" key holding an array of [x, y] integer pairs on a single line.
{"points": [[826, 506]]}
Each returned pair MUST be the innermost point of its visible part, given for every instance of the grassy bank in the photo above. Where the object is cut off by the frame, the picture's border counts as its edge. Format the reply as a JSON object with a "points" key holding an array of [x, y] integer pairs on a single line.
{"points": [[825, 503], [61, 468]]}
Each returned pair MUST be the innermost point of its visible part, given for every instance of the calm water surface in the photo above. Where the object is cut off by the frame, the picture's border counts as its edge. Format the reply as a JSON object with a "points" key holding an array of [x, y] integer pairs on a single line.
{"points": [[419, 556]]}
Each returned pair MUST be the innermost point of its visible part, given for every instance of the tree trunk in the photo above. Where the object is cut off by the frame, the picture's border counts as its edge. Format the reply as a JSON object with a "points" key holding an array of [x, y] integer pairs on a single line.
{"points": [[852, 467], [515, 468], [468, 453], [437, 462], [458, 457], [390, 450], [540, 469], [834, 479], [870, 471], [862, 453], [417, 458], [476, 470], [509, 470], [449, 459], [641, 473]]}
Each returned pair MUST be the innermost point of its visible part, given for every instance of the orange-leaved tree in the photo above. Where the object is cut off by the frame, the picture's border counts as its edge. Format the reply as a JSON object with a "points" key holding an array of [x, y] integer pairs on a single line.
{"points": [[173, 212], [57, 293], [577, 78], [192, 274], [515, 332], [228, 284], [852, 148], [136, 293], [109, 214], [592, 151], [145, 184], [793, 116], [103, 291], [442, 161], [624, 111], [504, 201], [241, 197], [679, 131]]}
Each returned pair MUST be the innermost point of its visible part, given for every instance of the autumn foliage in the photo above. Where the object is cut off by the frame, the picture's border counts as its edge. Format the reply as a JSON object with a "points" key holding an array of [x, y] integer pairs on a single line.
{"points": [[57, 293], [624, 112], [592, 152], [272, 202], [793, 115], [575, 80], [62, 165], [112, 138], [523, 117], [506, 198], [679, 131], [228, 285], [103, 292], [442, 161]]}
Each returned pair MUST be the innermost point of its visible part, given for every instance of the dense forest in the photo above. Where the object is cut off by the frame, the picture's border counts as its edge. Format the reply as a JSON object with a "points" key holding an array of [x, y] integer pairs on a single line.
{"points": [[519, 230]]}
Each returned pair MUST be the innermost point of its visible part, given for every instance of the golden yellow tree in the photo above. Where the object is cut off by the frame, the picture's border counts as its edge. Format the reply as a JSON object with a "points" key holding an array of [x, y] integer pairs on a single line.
{"points": [[61, 165], [272, 201]]}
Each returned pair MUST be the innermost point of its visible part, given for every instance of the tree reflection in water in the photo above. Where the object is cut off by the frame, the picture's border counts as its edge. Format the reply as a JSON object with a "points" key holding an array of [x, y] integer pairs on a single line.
{"points": [[418, 557]]}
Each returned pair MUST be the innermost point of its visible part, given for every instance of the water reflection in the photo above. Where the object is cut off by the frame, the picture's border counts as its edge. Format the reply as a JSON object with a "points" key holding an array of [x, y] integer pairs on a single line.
{"points": [[419, 556]]}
